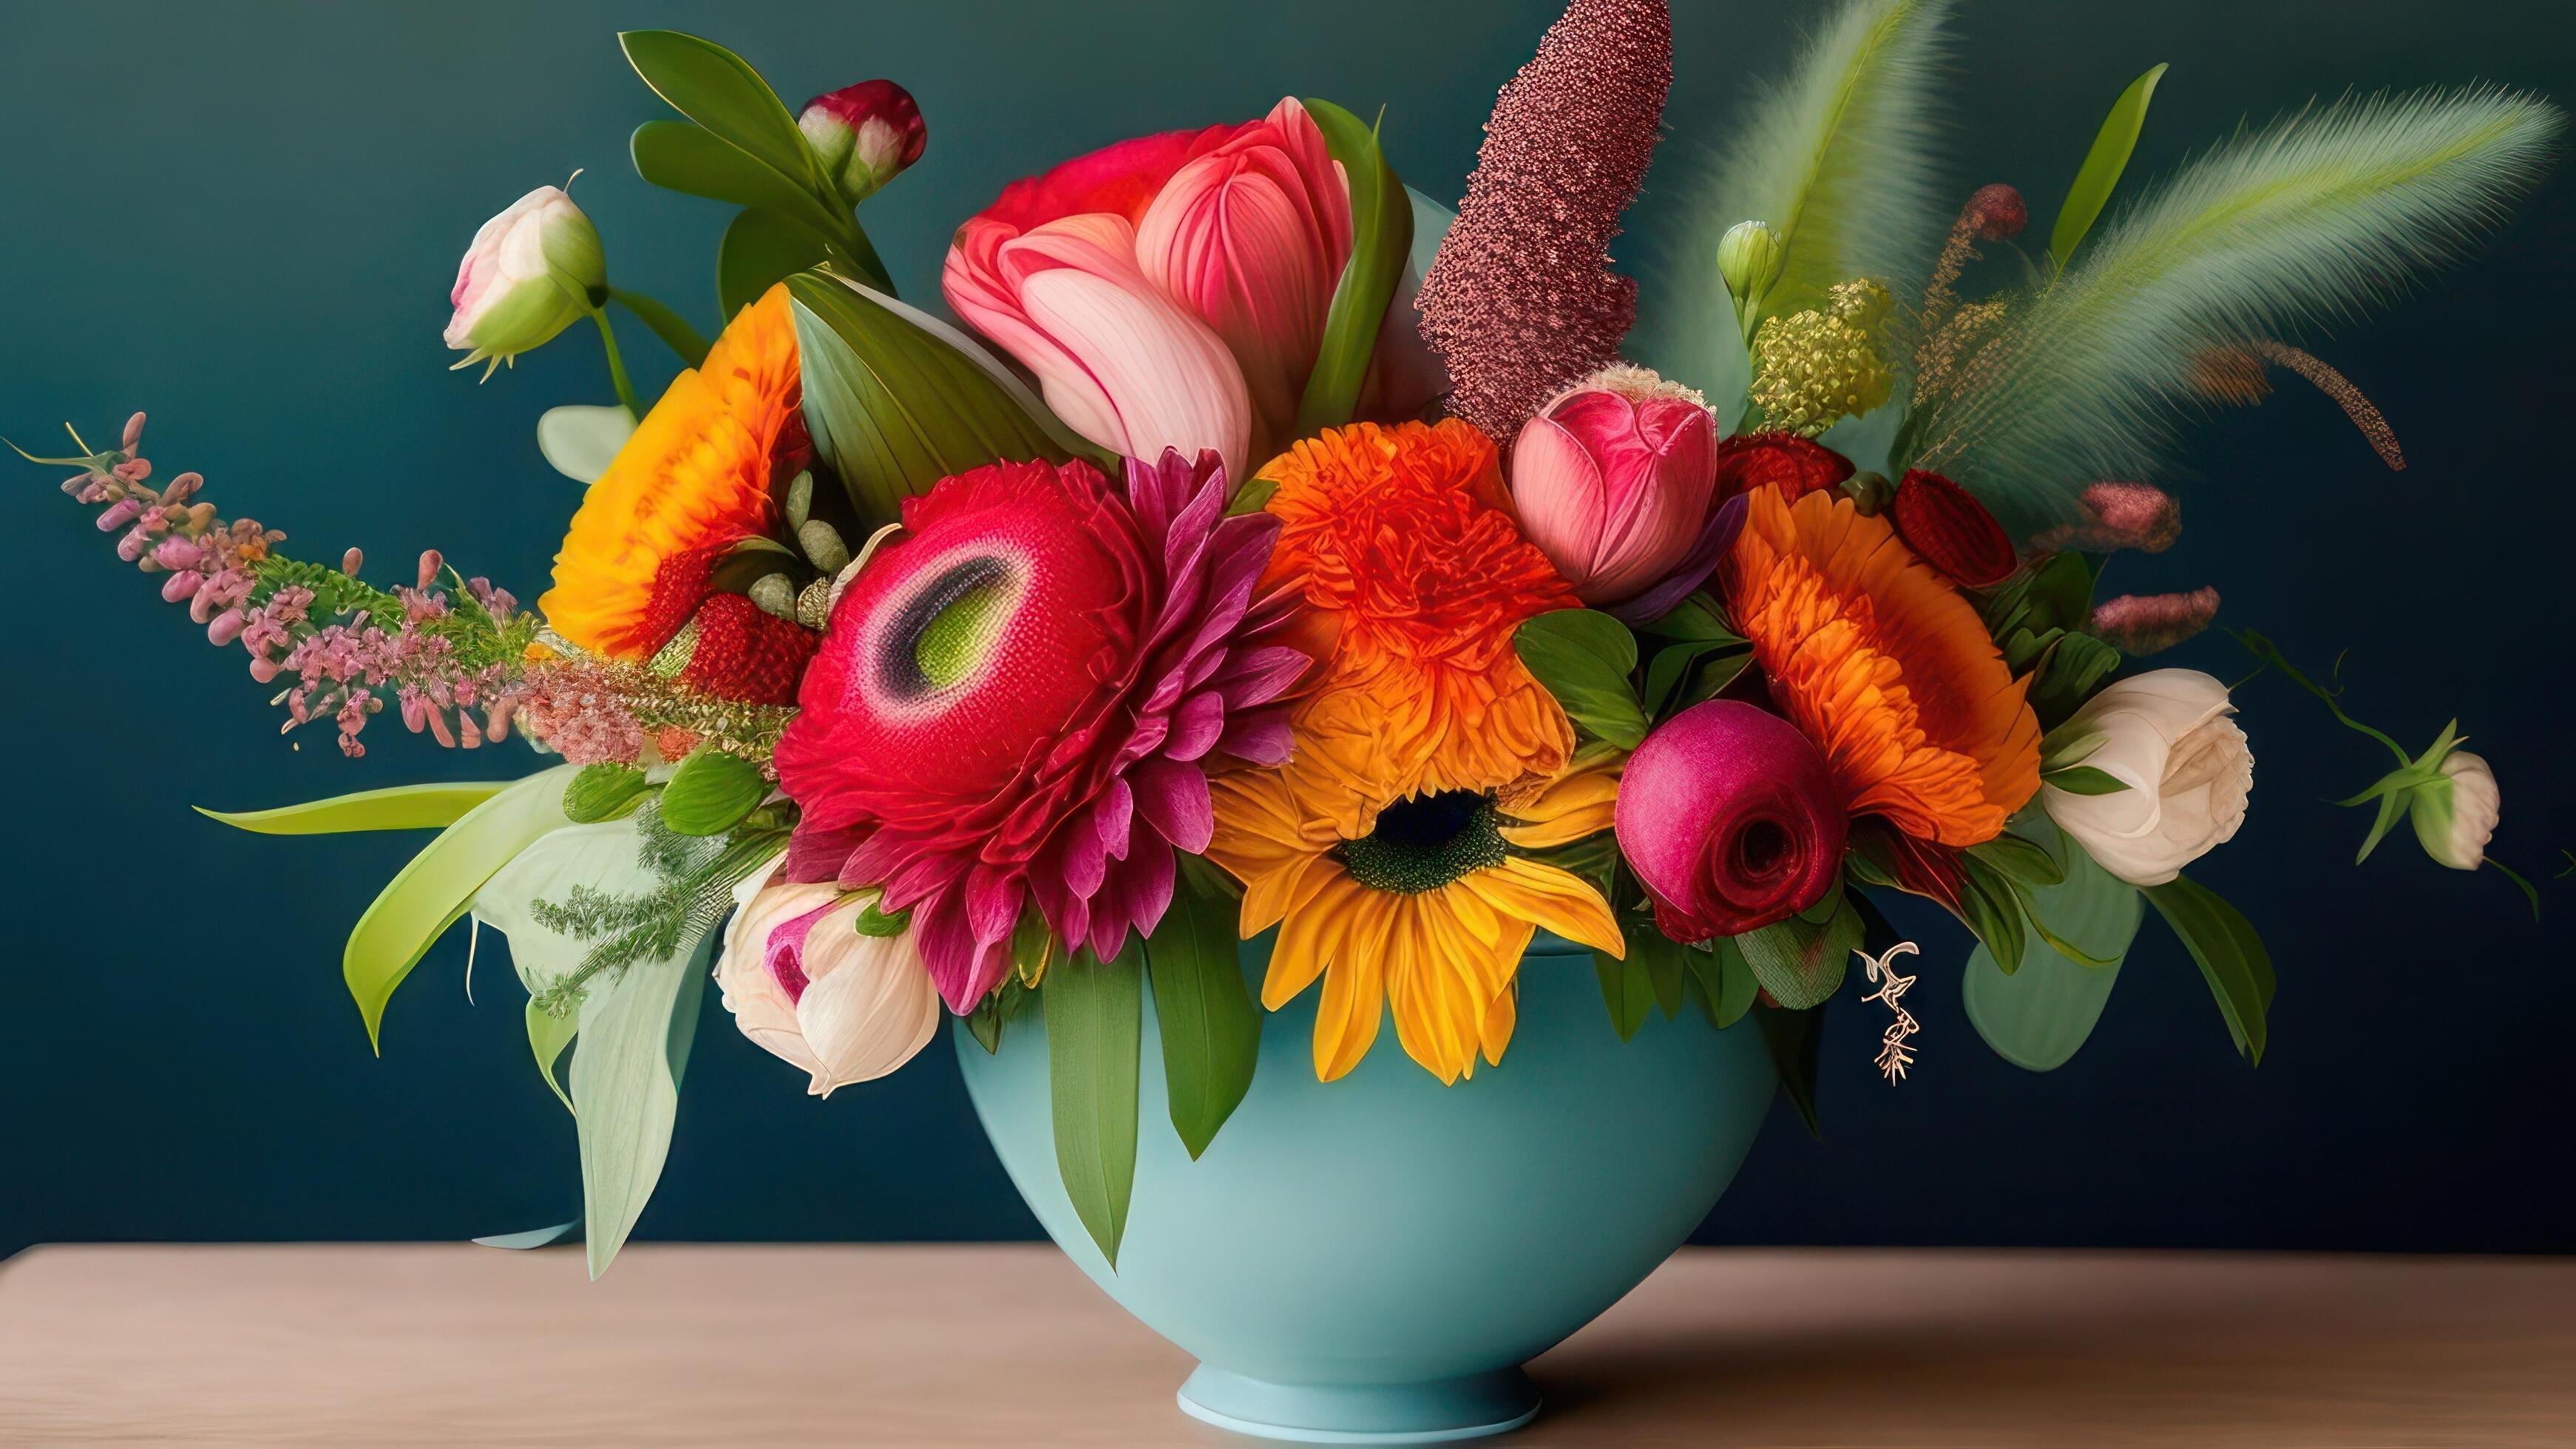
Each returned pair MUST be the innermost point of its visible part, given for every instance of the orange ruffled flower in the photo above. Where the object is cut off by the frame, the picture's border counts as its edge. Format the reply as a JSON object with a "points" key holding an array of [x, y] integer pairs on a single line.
{"points": [[1885, 666], [1414, 573], [1428, 911], [694, 480]]}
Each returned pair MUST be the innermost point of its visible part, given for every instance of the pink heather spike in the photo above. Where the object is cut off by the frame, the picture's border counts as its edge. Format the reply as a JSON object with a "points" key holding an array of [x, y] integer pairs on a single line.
{"points": [[1520, 301], [2141, 624]]}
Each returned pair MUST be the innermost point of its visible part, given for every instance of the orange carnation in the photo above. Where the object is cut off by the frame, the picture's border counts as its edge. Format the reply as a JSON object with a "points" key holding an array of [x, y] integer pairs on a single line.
{"points": [[1885, 666], [694, 480], [1414, 573]]}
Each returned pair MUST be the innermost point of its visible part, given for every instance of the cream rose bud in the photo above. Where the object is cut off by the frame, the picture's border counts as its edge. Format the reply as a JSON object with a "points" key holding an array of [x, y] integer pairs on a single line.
{"points": [[2166, 736], [803, 983], [2455, 812], [531, 272]]}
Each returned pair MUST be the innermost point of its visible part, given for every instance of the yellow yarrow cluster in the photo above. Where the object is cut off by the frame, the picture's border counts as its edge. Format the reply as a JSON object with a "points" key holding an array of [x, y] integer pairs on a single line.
{"points": [[1814, 367]]}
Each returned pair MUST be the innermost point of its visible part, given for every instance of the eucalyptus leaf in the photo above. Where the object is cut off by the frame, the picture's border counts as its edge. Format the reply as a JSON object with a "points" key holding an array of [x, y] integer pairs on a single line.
{"points": [[580, 440], [1801, 962], [397, 807], [1381, 239], [894, 408], [711, 792], [432, 892], [1583, 656], [2230, 954], [2037, 1017], [1210, 1029], [2099, 176], [760, 249], [1094, 1019]]}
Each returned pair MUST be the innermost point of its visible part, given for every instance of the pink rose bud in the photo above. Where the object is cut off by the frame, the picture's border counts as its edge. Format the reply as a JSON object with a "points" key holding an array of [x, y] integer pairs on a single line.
{"points": [[531, 272], [864, 134], [1614, 481], [1728, 817]]}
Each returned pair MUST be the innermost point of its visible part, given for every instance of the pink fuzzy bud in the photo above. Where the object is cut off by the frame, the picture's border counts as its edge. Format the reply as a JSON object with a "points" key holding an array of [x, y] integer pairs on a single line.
{"points": [[1999, 211], [118, 514], [429, 566], [133, 432], [264, 670], [2125, 515], [184, 487], [225, 627], [181, 584], [178, 553], [2150, 623]]}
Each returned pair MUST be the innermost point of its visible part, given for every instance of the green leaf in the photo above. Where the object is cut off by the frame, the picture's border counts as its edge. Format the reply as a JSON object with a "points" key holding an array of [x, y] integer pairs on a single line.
{"points": [[894, 408], [1737, 987], [1677, 665], [431, 893], [529, 1238], [1697, 618], [2100, 174], [636, 1030], [397, 807], [2230, 953], [1211, 1031], [580, 440], [1796, 1039], [2021, 859], [548, 1035], [1583, 657], [1801, 961], [1992, 910], [678, 156], [1094, 1017], [876, 923], [2038, 1016], [760, 250], [984, 1023], [1626, 989], [711, 792], [1381, 238], [2084, 780], [722, 93], [2075, 663], [605, 791]]}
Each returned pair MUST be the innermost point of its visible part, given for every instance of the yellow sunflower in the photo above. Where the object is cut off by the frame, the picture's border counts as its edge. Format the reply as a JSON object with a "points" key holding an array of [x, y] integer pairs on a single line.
{"points": [[1427, 912]]}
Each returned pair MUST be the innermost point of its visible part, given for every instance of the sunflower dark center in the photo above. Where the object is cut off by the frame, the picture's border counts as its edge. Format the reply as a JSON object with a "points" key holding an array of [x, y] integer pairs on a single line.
{"points": [[945, 629], [1424, 843]]}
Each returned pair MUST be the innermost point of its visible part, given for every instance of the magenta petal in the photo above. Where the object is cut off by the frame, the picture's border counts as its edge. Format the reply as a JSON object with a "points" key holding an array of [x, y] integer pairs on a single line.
{"points": [[961, 970], [1111, 818], [1262, 739], [1173, 797], [1261, 676], [992, 903], [1196, 726], [784, 952], [816, 854]]}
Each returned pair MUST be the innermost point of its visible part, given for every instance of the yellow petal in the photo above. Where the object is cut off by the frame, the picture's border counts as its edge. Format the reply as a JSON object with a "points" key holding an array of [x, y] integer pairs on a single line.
{"points": [[1549, 898], [1308, 939]]}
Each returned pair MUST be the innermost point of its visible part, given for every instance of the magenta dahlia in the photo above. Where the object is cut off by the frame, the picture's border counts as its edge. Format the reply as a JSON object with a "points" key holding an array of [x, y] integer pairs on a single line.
{"points": [[1017, 703]]}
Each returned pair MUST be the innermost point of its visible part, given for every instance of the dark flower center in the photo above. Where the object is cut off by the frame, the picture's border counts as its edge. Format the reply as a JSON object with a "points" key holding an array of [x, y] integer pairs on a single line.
{"points": [[1425, 842], [945, 629]]}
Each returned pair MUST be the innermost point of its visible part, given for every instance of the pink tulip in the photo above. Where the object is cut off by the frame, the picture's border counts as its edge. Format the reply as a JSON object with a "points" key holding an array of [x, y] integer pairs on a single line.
{"points": [[1614, 481], [1729, 819]]}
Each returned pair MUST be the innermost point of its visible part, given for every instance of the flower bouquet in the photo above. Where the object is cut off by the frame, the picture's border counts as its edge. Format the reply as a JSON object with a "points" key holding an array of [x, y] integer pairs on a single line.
{"points": [[1286, 609]]}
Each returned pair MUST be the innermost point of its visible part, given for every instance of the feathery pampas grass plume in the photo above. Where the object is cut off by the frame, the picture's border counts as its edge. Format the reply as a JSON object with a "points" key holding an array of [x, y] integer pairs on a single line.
{"points": [[1838, 161], [2308, 221], [1521, 301]]}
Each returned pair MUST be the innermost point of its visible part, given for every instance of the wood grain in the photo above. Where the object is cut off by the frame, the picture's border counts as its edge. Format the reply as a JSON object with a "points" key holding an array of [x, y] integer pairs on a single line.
{"points": [[989, 1345]]}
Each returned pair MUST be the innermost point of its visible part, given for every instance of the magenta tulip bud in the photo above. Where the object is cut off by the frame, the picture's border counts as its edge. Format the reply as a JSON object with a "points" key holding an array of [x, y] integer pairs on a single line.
{"points": [[1730, 820], [1614, 481], [864, 134]]}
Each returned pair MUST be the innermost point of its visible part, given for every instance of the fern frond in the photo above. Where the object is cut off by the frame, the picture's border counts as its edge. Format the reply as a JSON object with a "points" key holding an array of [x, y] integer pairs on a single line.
{"points": [[2308, 222], [1837, 160]]}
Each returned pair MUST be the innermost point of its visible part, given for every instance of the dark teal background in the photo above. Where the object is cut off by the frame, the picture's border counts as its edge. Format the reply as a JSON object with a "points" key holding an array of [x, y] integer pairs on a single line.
{"points": [[245, 218]]}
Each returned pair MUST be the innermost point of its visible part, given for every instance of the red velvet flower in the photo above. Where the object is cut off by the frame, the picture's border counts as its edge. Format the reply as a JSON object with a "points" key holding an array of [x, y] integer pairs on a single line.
{"points": [[1794, 464], [1017, 702]]}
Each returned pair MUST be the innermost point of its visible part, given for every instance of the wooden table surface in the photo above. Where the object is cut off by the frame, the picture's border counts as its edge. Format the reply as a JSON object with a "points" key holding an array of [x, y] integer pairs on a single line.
{"points": [[991, 1345]]}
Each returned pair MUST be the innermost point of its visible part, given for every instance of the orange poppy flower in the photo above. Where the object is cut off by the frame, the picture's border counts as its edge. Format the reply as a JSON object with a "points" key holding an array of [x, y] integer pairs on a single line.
{"points": [[694, 480], [1414, 573], [1885, 666]]}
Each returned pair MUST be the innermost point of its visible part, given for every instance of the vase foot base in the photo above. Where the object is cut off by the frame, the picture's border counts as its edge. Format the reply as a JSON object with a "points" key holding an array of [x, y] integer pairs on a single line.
{"points": [[1441, 1411]]}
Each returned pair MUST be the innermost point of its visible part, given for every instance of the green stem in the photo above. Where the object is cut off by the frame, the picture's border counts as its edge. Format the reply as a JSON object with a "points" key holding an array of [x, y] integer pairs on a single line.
{"points": [[670, 326], [863, 254], [616, 363]]}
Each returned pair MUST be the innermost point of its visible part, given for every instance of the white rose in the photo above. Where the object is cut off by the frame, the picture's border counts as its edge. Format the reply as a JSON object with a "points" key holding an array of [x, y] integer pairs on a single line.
{"points": [[2165, 735], [2455, 815], [804, 984]]}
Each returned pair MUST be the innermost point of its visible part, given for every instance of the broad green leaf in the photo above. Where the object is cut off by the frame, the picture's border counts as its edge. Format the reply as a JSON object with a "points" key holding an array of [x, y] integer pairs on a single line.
{"points": [[711, 792], [605, 791], [1583, 657], [1381, 239], [2021, 858], [1737, 988], [1796, 1039], [760, 250], [1992, 910], [1701, 663], [431, 893], [580, 440], [2038, 1016], [2100, 174], [2076, 663], [397, 807], [722, 93], [1801, 961], [679, 156], [1697, 617], [2230, 953], [1094, 1017], [1665, 966], [1211, 1031], [636, 1030], [1626, 990], [548, 1035], [893, 407]]}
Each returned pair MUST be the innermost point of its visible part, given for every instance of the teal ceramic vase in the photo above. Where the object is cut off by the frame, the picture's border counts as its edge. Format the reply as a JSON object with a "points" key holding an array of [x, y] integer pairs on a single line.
{"points": [[1370, 1261]]}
